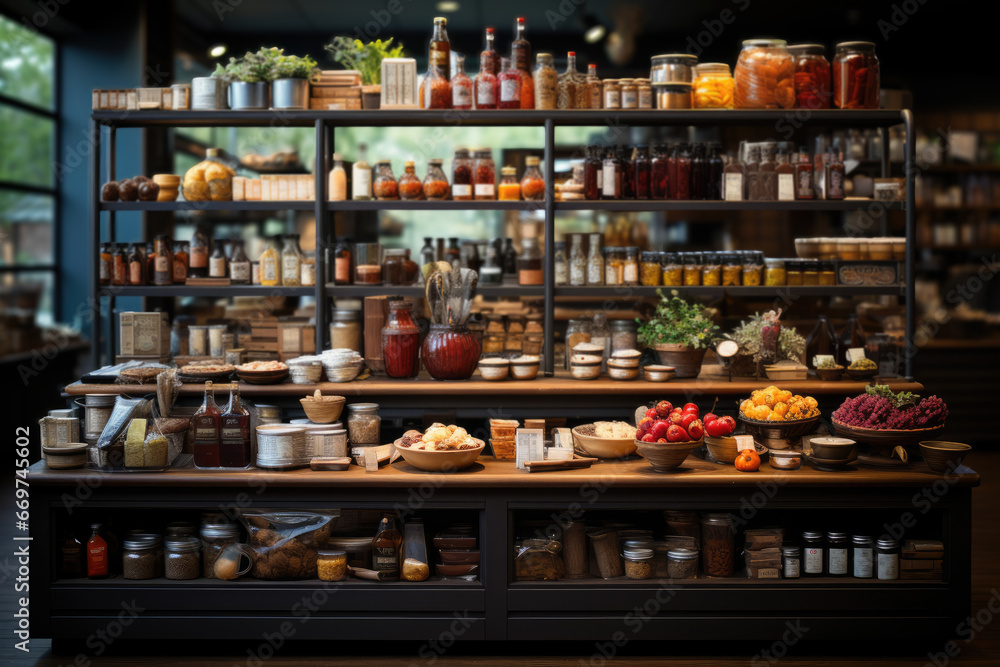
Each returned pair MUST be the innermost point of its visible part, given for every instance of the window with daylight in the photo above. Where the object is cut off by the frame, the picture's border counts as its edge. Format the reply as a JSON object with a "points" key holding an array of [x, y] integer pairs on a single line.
{"points": [[28, 273]]}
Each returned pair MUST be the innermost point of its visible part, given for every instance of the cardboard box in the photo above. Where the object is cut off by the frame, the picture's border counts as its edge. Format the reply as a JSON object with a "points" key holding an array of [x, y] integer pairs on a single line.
{"points": [[144, 335]]}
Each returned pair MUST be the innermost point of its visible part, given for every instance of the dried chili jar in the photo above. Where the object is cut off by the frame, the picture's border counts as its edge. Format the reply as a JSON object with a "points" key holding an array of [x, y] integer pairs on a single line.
{"points": [[462, 175], [435, 184], [764, 75], [385, 186], [435, 90], [812, 76], [409, 185], [532, 183], [855, 76], [485, 175]]}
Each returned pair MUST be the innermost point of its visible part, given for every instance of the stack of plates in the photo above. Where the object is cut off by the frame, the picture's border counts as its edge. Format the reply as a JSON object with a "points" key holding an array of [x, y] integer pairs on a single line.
{"points": [[306, 370], [282, 446]]}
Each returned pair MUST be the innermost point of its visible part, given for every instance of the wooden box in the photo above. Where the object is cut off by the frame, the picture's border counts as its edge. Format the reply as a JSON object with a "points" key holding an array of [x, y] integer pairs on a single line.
{"points": [[376, 312], [145, 335], [296, 339]]}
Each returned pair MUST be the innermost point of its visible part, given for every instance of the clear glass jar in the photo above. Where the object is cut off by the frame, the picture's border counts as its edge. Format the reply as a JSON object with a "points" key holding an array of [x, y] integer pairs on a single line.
{"points": [[577, 331], [638, 563], [692, 269], [577, 261], [774, 272], [491, 273], [462, 175], [836, 555], [887, 558], [753, 268], [862, 557], [713, 86], [791, 562], [645, 93], [764, 75], [529, 263], [182, 557], [650, 271], [508, 189], [215, 536], [345, 330], [612, 94], [308, 270], [614, 266], [711, 269], [682, 564], [623, 335], [532, 182], [812, 552], [855, 76], [291, 261], [364, 424], [812, 76], [629, 94], [142, 556], [385, 186], [331, 564], [673, 270], [368, 264], [731, 269], [270, 263], [595, 261], [485, 176], [793, 272], [561, 265], [435, 185], [546, 81], [630, 274], [718, 549], [409, 186]]}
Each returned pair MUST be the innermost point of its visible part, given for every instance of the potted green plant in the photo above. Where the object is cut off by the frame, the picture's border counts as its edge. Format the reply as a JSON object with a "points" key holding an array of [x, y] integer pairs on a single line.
{"points": [[249, 78], [366, 59], [680, 332], [749, 335], [290, 86]]}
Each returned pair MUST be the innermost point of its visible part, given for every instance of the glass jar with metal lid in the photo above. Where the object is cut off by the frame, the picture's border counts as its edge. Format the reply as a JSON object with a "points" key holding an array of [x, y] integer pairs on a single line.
{"points": [[713, 86], [711, 269], [731, 268], [180, 529], [812, 554], [623, 335], [682, 563], [673, 270], [862, 552], [672, 68], [855, 76], [836, 554], [791, 562], [142, 556], [345, 330], [753, 268], [718, 553], [364, 424], [216, 534], [774, 272], [182, 558], [764, 75], [692, 268], [650, 273], [887, 558], [812, 76], [793, 272], [630, 274], [827, 272], [645, 93], [629, 94], [672, 95], [810, 271], [614, 266], [638, 563], [612, 94], [331, 564]]}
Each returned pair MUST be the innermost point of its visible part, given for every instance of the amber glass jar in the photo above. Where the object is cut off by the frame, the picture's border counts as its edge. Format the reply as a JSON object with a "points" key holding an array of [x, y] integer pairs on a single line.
{"points": [[855, 76], [409, 185], [711, 269], [384, 185], [731, 269], [673, 270], [692, 269], [650, 272], [753, 268], [764, 75], [774, 272], [508, 189]]}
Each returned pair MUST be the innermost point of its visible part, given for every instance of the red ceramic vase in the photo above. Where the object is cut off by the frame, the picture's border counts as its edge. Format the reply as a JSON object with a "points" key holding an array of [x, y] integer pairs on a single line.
{"points": [[450, 353]]}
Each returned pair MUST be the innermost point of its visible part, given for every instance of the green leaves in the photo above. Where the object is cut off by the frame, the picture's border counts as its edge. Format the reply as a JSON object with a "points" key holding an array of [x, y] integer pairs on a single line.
{"points": [[899, 400], [366, 58], [791, 344], [677, 321], [267, 64]]}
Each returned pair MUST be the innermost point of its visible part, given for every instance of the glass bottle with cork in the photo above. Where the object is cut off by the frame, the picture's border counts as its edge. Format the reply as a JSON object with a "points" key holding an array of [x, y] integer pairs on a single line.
{"points": [[532, 183], [136, 265], [489, 59], [785, 174], [337, 180], [751, 175], [595, 91], [520, 56], [119, 265], [834, 176], [291, 261], [217, 262], [234, 432], [206, 430], [342, 264], [198, 254], [180, 262], [461, 86], [546, 82], [163, 263], [767, 174], [239, 265], [733, 187], [569, 80], [361, 177]]}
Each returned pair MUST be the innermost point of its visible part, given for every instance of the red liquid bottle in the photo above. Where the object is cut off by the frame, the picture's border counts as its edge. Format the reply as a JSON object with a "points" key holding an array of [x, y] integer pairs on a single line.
{"points": [[591, 168], [659, 179], [484, 87], [683, 180], [520, 56], [98, 554], [206, 431], [672, 154], [401, 342], [641, 168], [234, 432], [461, 86]]}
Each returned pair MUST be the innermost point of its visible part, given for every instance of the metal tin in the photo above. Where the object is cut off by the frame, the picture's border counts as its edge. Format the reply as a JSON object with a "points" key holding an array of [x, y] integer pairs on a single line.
{"points": [[672, 68], [209, 93], [672, 95]]}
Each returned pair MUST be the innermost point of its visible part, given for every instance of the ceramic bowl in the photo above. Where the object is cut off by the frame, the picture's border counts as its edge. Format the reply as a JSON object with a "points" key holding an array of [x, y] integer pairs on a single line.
{"points": [[658, 373], [627, 357], [445, 460], [585, 371], [619, 371], [602, 448], [940, 456], [830, 374], [494, 369], [859, 375], [834, 449], [666, 456], [524, 368]]}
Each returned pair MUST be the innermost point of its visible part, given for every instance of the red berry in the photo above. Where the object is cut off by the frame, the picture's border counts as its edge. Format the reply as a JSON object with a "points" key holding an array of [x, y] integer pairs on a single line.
{"points": [[652, 413], [690, 406], [709, 417], [663, 408], [696, 429], [659, 429], [648, 438], [687, 418], [676, 434]]}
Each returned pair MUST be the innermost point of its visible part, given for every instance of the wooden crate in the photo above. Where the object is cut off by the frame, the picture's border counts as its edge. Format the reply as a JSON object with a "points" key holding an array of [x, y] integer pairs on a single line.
{"points": [[295, 339], [144, 335]]}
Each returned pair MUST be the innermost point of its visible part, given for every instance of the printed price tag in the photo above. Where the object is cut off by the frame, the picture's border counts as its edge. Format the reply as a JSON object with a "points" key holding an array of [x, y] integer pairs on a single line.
{"points": [[821, 358], [530, 444], [745, 442], [855, 353], [562, 438]]}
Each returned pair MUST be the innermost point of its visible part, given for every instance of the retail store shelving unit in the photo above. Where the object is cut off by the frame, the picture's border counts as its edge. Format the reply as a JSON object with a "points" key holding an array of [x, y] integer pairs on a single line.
{"points": [[325, 122]]}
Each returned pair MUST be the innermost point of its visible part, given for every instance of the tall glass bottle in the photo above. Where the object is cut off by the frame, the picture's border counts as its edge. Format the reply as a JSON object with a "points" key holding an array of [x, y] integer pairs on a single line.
{"points": [[751, 175], [509, 85], [163, 261], [591, 171], [673, 152], [699, 172], [626, 159], [683, 180], [198, 254], [136, 265], [206, 430], [427, 253], [239, 265], [385, 549], [611, 184], [180, 262], [217, 262], [852, 336], [401, 341], [642, 169], [489, 60], [804, 175], [509, 259], [361, 177], [338, 180], [659, 177], [785, 175], [834, 176], [767, 176], [485, 85], [713, 187], [733, 180], [595, 91], [546, 82], [234, 432], [569, 81], [595, 261], [461, 86], [520, 57], [270, 263], [98, 553], [440, 48], [291, 261], [119, 265]]}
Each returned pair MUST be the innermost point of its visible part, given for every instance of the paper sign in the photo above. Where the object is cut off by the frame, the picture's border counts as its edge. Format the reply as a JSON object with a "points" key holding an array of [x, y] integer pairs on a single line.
{"points": [[562, 438], [819, 359], [854, 354], [745, 442], [530, 444]]}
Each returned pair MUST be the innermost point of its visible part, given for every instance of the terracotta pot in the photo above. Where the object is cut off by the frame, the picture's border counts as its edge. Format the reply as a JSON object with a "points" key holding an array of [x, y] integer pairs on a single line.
{"points": [[450, 353], [684, 359], [371, 97]]}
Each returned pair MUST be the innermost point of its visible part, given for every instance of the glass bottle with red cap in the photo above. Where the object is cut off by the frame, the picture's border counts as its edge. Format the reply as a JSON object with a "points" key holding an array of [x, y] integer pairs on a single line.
{"points": [[520, 56]]}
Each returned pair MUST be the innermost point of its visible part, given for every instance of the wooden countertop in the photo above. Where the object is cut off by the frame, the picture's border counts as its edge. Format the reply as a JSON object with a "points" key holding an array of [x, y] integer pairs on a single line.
{"points": [[487, 472], [560, 383]]}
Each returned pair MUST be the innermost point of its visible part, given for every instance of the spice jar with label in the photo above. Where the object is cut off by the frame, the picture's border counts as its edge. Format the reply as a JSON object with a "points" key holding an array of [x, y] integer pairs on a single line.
{"points": [[645, 93], [862, 559], [682, 564], [791, 562], [629, 94], [673, 270], [812, 552], [435, 185], [345, 330], [485, 175], [462, 175], [529, 263], [614, 266], [836, 554], [630, 272], [363, 424], [508, 189], [887, 558], [650, 273], [718, 545], [612, 94]]}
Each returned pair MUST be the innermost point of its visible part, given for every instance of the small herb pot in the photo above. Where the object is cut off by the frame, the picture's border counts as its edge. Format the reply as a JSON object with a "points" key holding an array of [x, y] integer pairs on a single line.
{"points": [[245, 96], [290, 94]]}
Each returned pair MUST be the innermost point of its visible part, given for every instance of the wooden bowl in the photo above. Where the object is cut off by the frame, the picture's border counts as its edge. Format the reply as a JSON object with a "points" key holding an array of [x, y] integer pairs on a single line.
{"points": [[446, 460], [666, 456], [658, 373], [861, 375], [830, 374], [942, 456], [323, 411], [724, 451], [459, 556], [775, 430], [602, 448], [263, 377], [886, 437]]}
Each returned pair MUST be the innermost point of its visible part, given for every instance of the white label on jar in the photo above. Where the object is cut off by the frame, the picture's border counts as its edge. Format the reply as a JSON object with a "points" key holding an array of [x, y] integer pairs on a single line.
{"points": [[733, 187], [600, 178], [461, 190], [786, 187], [608, 186], [814, 560], [510, 90], [290, 268], [461, 96], [105, 270], [308, 275], [486, 94], [863, 562], [268, 270], [217, 267], [484, 189], [631, 272], [791, 568], [612, 99], [595, 271], [838, 561], [888, 566], [361, 187], [630, 100], [239, 271]]}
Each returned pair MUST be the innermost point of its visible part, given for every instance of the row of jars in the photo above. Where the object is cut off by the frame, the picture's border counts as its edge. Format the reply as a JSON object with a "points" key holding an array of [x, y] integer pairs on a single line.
{"points": [[665, 171]]}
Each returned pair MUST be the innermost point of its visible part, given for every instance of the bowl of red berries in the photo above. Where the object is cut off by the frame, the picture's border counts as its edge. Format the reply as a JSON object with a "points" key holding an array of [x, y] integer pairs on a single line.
{"points": [[665, 435]]}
